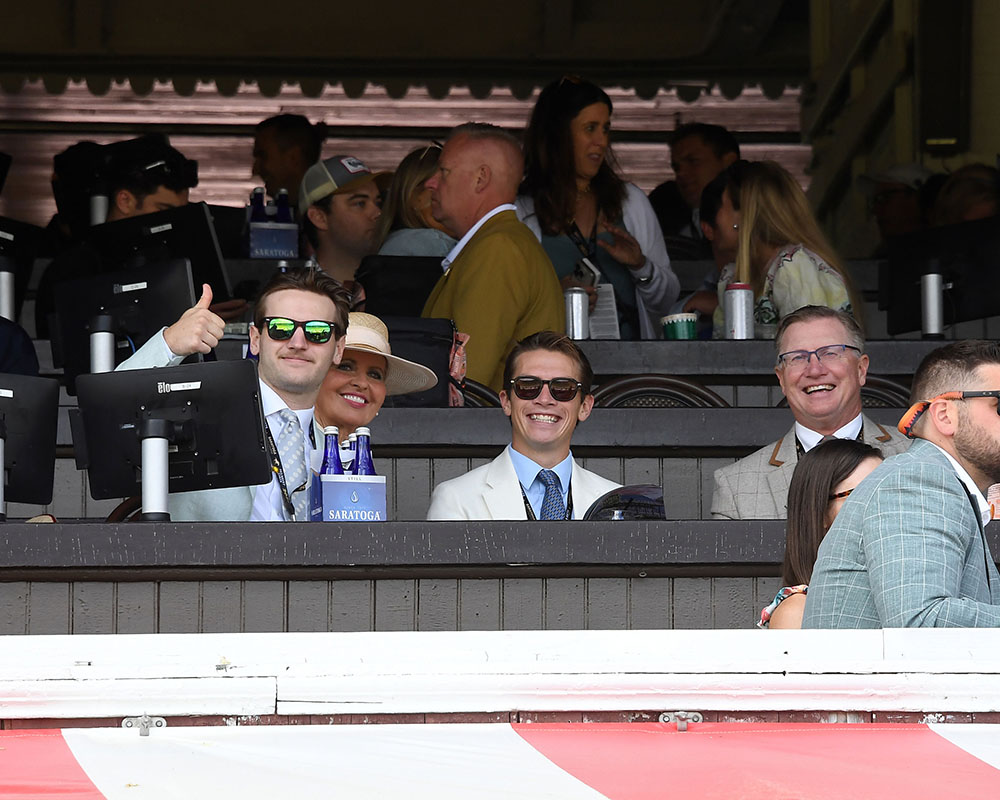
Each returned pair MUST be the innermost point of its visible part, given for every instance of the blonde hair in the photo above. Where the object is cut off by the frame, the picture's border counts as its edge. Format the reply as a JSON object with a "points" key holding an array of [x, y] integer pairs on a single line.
{"points": [[774, 212], [397, 208]]}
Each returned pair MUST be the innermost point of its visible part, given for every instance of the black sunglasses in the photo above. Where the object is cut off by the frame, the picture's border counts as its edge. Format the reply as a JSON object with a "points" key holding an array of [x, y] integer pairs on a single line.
{"points": [[528, 387], [317, 331]]}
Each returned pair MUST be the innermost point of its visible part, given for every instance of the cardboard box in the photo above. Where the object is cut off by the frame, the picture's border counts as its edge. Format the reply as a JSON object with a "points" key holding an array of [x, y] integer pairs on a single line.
{"points": [[348, 498]]}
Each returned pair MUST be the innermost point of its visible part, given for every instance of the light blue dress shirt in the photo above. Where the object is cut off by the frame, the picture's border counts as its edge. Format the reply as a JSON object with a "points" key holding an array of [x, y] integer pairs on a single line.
{"points": [[527, 473]]}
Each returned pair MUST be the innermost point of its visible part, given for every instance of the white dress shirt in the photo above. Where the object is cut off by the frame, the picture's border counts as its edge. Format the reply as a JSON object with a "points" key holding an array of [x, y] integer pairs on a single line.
{"points": [[450, 258], [809, 438]]}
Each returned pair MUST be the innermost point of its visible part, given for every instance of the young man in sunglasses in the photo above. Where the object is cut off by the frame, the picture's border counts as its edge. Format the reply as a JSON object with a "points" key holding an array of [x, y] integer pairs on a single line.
{"points": [[821, 369], [546, 392], [908, 548], [298, 333]]}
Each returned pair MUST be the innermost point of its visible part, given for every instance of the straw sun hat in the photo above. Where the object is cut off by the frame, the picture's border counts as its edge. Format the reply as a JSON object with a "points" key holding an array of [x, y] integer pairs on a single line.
{"points": [[367, 334]]}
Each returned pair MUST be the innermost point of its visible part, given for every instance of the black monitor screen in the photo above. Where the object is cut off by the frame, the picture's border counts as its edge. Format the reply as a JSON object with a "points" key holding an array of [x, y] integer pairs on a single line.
{"points": [[967, 255], [230, 224], [183, 232], [214, 408], [29, 407], [141, 301], [5, 161]]}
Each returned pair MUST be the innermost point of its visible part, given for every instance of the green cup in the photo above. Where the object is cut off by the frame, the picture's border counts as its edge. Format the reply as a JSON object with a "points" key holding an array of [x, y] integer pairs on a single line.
{"points": [[680, 326]]}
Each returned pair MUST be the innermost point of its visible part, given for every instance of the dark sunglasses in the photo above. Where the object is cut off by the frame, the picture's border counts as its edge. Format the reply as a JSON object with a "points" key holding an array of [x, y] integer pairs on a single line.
{"points": [[528, 387], [317, 331]]}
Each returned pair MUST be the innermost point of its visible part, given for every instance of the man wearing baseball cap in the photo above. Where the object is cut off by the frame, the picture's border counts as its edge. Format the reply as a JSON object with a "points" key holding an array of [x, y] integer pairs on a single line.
{"points": [[339, 201]]}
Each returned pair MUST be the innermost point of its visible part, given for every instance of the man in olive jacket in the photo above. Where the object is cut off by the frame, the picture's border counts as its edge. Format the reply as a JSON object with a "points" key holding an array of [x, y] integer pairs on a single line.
{"points": [[499, 285]]}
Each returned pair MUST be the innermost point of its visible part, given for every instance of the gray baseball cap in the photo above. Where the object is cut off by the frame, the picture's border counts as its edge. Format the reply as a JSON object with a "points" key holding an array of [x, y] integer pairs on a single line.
{"points": [[336, 175]]}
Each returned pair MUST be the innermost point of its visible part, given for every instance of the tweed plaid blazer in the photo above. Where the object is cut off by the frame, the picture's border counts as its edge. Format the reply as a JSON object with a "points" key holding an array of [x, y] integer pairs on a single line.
{"points": [[906, 550], [756, 487]]}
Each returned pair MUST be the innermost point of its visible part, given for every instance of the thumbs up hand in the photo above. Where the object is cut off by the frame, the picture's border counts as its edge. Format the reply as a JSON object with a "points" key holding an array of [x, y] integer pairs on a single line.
{"points": [[198, 330]]}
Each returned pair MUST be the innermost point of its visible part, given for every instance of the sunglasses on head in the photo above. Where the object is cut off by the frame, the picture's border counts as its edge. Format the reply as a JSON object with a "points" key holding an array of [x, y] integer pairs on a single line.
{"points": [[528, 387], [317, 331]]}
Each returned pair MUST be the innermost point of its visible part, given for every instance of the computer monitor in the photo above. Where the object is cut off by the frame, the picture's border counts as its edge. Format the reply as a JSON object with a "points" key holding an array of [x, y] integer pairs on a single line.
{"points": [[968, 257], [29, 407], [230, 223], [215, 415], [182, 232], [140, 300], [5, 161]]}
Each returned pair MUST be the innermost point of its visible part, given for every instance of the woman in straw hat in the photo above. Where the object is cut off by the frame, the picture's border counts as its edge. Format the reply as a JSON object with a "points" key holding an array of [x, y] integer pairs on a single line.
{"points": [[355, 389]]}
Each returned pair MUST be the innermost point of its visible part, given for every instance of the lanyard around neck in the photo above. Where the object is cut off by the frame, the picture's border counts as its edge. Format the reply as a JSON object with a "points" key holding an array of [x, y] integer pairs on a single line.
{"points": [[279, 471], [531, 512]]}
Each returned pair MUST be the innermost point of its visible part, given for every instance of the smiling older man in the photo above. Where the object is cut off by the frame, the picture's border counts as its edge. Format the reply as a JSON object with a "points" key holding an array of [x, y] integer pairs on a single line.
{"points": [[821, 369]]}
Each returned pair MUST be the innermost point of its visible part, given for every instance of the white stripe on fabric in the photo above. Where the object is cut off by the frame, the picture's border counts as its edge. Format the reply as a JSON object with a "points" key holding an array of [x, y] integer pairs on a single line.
{"points": [[445, 761], [976, 739]]}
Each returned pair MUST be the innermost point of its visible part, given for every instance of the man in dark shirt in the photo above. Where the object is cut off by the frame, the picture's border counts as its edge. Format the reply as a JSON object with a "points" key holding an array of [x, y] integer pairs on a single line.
{"points": [[698, 152], [143, 176]]}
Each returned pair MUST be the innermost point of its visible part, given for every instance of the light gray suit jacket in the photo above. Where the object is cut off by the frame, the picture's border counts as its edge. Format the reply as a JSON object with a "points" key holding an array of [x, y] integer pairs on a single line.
{"points": [[906, 550], [493, 492], [756, 487]]}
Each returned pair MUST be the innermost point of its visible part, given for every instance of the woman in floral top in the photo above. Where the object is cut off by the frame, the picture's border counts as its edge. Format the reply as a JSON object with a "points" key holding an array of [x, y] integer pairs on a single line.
{"points": [[781, 251], [822, 480]]}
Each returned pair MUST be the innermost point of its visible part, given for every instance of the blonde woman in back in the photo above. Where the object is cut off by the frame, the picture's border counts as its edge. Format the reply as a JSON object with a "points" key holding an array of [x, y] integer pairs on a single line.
{"points": [[406, 227], [781, 251]]}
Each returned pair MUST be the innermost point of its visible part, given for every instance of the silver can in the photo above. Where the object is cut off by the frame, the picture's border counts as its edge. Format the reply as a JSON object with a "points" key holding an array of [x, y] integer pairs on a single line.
{"points": [[739, 311], [577, 313]]}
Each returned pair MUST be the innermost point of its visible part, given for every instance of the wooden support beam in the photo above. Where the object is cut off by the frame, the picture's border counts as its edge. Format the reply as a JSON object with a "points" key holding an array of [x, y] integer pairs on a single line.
{"points": [[837, 68], [890, 66]]}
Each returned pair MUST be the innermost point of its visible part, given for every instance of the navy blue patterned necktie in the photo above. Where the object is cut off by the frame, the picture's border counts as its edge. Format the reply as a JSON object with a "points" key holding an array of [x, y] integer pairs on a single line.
{"points": [[553, 506]]}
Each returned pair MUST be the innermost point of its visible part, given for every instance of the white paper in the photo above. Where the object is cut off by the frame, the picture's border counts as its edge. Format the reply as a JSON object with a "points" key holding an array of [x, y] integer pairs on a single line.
{"points": [[604, 317]]}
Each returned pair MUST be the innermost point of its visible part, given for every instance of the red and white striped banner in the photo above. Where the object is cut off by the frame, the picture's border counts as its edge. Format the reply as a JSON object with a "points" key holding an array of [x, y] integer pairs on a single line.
{"points": [[579, 760]]}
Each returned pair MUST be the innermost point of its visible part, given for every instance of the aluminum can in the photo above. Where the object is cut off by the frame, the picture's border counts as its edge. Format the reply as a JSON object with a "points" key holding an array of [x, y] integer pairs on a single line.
{"points": [[577, 313], [739, 311]]}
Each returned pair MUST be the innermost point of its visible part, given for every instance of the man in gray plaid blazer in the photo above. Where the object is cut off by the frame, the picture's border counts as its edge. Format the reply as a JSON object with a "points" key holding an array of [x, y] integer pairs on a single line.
{"points": [[821, 368], [908, 547]]}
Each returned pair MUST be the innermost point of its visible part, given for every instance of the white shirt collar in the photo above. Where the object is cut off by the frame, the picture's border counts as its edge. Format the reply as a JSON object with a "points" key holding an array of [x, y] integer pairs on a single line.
{"points": [[809, 438], [457, 249], [964, 477]]}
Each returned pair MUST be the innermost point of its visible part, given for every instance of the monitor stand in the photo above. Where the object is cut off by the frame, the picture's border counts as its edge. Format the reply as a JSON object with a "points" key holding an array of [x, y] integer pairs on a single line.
{"points": [[155, 435], [102, 343]]}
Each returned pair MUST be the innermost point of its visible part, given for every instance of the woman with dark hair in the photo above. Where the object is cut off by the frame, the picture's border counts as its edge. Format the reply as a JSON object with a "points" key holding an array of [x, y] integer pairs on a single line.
{"points": [[407, 227], [780, 250], [582, 211], [823, 479]]}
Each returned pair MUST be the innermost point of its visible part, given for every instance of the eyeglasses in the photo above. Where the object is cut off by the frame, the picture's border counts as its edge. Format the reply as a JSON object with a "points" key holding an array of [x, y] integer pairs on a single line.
{"points": [[845, 493], [829, 354], [914, 412], [528, 387], [316, 331]]}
